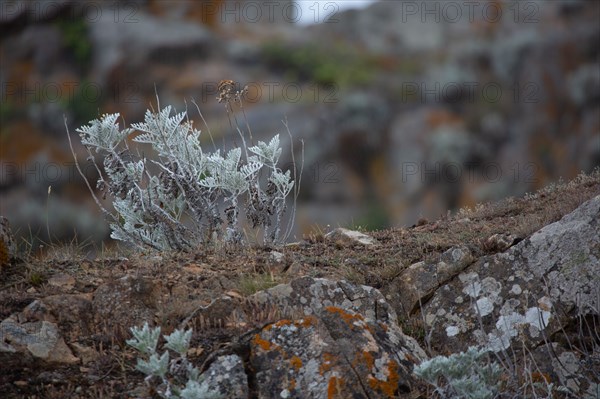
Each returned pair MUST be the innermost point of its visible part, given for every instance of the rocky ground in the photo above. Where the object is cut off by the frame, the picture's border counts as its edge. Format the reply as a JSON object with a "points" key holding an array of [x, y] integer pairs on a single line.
{"points": [[338, 314]]}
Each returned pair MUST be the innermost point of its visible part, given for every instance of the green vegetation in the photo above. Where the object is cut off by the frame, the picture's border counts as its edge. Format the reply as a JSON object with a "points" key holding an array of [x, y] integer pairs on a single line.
{"points": [[75, 37], [251, 284], [375, 218], [340, 65], [84, 102], [7, 112], [36, 278]]}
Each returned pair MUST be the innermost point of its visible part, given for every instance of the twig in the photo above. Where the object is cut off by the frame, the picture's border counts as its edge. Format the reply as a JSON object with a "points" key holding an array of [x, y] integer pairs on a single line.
{"points": [[297, 180], [87, 183]]}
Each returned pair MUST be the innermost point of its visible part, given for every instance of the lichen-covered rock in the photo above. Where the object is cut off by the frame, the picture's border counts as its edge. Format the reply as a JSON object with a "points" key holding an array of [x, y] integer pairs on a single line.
{"points": [[350, 237], [41, 339], [308, 295], [347, 344], [525, 295], [226, 377], [420, 280], [567, 367]]}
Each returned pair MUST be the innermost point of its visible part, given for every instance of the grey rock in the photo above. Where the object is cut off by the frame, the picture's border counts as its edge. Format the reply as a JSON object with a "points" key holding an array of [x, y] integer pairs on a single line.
{"points": [[144, 38], [379, 29], [72, 312], [525, 295], [41, 340], [350, 237], [419, 281], [567, 368], [226, 377]]}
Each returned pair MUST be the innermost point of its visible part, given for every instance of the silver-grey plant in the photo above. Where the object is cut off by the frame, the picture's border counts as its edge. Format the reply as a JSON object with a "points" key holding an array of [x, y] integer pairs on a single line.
{"points": [[166, 373], [177, 200], [468, 375]]}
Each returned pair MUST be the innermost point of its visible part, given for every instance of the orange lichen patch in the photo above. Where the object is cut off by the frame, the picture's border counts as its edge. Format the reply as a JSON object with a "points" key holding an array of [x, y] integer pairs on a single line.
{"points": [[296, 362], [292, 385], [368, 358], [334, 387], [263, 343], [347, 317], [306, 322], [327, 363], [390, 386], [279, 324]]}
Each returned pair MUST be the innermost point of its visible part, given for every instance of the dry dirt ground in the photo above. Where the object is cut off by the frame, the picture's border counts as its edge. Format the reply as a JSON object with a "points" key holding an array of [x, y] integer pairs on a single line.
{"points": [[174, 285]]}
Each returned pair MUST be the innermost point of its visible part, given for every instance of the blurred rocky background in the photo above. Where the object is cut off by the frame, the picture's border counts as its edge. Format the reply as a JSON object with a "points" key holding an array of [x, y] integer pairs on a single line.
{"points": [[407, 109]]}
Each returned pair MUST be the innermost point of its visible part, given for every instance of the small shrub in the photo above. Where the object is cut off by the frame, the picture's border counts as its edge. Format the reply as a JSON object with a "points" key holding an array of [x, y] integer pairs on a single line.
{"points": [[463, 375], [172, 377], [191, 185]]}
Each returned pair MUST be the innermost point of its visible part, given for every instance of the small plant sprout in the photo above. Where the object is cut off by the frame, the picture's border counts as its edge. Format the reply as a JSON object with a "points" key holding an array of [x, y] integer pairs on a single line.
{"points": [[179, 341], [168, 374], [144, 339], [155, 366]]}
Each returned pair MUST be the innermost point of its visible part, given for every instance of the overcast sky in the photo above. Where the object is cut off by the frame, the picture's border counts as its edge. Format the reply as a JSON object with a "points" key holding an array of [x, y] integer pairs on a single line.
{"points": [[314, 11]]}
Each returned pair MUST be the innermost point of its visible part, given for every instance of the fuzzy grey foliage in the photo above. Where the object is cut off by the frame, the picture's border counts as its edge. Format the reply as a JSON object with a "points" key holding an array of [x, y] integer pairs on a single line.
{"points": [[462, 375], [182, 205], [169, 374]]}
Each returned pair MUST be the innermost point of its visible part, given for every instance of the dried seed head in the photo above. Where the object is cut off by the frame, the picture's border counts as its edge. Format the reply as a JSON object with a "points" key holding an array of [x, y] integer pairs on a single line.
{"points": [[227, 91]]}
